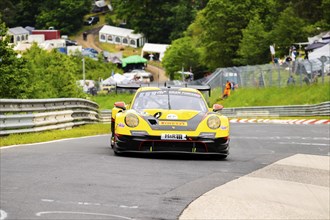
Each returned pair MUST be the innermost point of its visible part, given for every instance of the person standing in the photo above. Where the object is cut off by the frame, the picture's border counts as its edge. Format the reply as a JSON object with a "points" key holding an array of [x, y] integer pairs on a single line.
{"points": [[226, 91]]}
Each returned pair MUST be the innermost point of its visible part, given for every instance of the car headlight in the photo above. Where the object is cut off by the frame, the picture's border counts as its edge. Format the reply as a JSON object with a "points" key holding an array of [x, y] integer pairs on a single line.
{"points": [[131, 120], [213, 122]]}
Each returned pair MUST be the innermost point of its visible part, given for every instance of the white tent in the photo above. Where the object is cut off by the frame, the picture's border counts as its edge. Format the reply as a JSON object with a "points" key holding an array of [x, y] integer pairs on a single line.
{"points": [[154, 48], [322, 51], [117, 79], [123, 36], [18, 35], [109, 81]]}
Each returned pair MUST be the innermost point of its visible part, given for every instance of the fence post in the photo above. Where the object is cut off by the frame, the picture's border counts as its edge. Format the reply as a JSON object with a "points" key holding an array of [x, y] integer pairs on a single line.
{"points": [[323, 59], [311, 69], [279, 75], [300, 73], [271, 77]]}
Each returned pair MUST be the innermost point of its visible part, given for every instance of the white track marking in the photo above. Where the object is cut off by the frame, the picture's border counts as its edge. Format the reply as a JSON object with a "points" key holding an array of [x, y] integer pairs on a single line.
{"points": [[3, 215], [82, 213], [47, 142], [89, 204], [299, 143]]}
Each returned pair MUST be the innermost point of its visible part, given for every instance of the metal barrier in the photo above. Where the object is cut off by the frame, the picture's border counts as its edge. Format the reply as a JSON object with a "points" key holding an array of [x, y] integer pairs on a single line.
{"points": [[33, 115]]}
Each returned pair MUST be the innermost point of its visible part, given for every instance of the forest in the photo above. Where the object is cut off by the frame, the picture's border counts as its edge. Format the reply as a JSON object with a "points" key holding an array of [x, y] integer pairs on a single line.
{"points": [[204, 34]]}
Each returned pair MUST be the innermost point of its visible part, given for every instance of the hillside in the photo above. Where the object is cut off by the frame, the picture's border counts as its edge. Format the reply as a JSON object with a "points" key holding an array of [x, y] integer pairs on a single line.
{"points": [[93, 42]]}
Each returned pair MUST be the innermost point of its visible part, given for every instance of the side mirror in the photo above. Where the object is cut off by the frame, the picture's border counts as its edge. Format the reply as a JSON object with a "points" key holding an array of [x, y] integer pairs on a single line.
{"points": [[217, 107], [120, 105]]}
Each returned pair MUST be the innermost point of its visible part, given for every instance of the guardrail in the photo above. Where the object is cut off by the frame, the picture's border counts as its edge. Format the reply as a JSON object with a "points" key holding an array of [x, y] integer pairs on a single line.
{"points": [[33, 115], [322, 109]]}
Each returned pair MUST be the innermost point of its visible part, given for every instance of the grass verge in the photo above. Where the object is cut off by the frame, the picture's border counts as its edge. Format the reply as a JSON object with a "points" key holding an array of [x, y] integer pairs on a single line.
{"points": [[29, 138], [274, 96]]}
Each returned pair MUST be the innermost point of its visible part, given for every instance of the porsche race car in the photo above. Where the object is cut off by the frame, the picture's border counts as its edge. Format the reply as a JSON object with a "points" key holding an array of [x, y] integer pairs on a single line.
{"points": [[169, 120]]}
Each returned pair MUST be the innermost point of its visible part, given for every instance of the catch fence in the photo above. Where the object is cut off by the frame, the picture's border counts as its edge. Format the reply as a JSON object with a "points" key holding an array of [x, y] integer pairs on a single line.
{"points": [[269, 75]]}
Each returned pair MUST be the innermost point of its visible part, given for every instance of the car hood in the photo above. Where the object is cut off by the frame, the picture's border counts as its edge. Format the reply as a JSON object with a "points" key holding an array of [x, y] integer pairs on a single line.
{"points": [[164, 114], [180, 120]]}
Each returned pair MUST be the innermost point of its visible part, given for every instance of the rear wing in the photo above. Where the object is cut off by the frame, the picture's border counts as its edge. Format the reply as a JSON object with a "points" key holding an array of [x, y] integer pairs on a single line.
{"points": [[133, 87]]}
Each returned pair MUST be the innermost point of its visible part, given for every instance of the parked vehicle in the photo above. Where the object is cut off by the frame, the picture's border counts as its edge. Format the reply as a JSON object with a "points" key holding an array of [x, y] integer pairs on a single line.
{"points": [[142, 76], [71, 42], [92, 20], [91, 50]]}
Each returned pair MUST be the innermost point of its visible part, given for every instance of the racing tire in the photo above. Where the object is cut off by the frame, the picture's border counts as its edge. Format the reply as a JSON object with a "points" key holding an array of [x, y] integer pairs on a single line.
{"points": [[222, 157]]}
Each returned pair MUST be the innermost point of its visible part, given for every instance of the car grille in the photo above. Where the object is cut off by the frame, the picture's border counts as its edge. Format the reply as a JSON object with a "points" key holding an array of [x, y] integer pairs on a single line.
{"points": [[174, 146]]}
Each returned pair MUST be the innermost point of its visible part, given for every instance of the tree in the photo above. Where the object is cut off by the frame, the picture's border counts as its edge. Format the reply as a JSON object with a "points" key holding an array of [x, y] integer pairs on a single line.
{"points": [[288, 31], [65, 15], [326, 14], [254, 46], [148, 17], [53, 75], [222, 22], [160, 21], [183, 14], [181, 54], [14, 74], [7, 9], [27, 11]]}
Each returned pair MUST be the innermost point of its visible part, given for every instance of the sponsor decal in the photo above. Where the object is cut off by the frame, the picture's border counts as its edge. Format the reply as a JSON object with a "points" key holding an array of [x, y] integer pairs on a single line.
{"points": [[223, 127], [173, 123], [173, 137], [172, 116], [121, 125]]}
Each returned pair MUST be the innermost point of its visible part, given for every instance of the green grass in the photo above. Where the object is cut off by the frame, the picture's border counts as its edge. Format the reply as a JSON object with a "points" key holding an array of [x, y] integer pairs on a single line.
{"points": [[81, 131], [275, 96], [106, 101], [243, 97]]}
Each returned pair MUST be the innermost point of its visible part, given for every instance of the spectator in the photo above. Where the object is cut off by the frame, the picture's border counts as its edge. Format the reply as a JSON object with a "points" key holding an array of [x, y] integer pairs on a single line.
{"points": [[234, 86], [306, 55], [226, 91]]}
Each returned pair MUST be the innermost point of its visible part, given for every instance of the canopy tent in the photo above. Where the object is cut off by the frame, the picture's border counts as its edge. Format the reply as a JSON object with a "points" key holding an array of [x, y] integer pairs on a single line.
{"points": [[322, 51], [109, 81], [315, 45], [158, 49], [122, 36], [135, 59]]}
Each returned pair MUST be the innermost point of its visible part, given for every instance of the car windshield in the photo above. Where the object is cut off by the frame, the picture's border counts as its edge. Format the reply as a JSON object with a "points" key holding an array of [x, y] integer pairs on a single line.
{"points": [[169, 99]]}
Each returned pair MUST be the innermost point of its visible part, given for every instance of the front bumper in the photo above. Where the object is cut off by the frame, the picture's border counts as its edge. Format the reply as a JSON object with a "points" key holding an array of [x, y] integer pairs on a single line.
{"points": [[153, 144]]}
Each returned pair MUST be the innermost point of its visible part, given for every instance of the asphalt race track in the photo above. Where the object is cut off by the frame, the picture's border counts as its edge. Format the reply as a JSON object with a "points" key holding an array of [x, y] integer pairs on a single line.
{"points": [[82, 179]]}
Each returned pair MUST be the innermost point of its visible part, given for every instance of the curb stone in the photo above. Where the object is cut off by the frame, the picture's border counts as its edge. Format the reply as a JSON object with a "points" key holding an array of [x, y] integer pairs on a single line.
{"points": [[281, 121]]}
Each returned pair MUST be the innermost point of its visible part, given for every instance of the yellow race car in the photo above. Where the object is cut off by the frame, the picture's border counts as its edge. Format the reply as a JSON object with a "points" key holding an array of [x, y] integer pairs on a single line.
{"points": [[169, 120]]}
